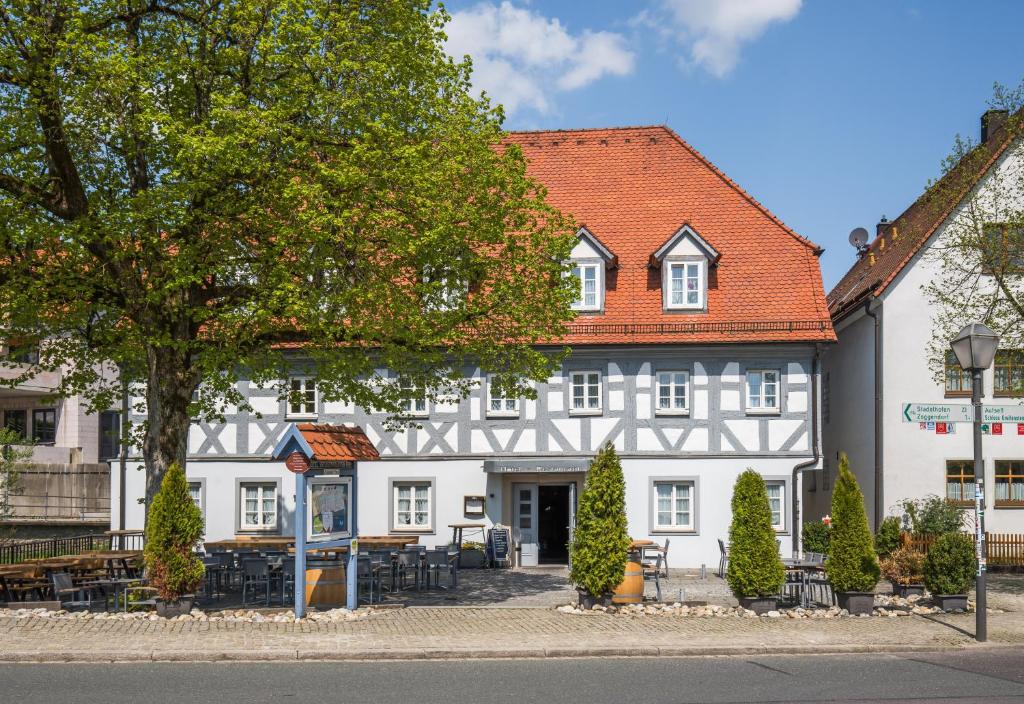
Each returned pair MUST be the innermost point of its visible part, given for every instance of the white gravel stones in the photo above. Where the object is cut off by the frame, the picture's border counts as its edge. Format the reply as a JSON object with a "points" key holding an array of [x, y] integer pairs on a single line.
{"points": [[234, 616]]}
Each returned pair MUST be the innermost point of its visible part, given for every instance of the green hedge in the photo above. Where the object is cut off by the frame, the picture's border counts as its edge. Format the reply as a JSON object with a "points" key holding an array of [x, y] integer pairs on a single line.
{"points": [[815, 537], [852, 564], [600, 545], [755, 568], [951, 565], [887, 539]]}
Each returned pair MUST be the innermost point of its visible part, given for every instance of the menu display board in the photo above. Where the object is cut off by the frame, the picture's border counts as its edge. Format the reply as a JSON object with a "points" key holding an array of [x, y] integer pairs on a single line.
{"points": [[498, 544], [329, 508]]}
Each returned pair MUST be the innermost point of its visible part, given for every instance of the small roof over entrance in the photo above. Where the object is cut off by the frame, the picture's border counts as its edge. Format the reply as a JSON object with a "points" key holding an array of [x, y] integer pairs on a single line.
{"points": [[323, 442]]}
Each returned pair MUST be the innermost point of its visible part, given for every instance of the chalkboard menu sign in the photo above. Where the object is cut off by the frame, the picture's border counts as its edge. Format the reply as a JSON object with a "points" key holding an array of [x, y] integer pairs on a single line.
{"points": [[498, 544]]}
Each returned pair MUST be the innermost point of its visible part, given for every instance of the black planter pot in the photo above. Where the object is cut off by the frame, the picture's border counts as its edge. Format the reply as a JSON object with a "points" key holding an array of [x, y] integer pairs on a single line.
{"points": [[171, 609], [951, 602], [472, 559], [905, 590], [759, 604], [857, 603], [589, 601]]}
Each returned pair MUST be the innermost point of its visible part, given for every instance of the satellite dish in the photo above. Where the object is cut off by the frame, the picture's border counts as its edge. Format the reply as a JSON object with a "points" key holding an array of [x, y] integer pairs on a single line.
{"points": [[859, 237]]}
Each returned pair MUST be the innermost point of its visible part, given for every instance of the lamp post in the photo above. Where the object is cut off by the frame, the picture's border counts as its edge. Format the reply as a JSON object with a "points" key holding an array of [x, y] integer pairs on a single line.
{"points": [[975, 348]]}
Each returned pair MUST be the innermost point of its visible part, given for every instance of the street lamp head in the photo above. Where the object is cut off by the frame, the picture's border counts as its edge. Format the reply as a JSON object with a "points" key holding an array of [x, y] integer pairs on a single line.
{"points": [[975, 347]]}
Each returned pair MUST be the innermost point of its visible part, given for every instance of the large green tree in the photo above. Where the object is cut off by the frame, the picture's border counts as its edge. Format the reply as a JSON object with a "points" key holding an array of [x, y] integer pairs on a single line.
{"points": [[196, 189]]}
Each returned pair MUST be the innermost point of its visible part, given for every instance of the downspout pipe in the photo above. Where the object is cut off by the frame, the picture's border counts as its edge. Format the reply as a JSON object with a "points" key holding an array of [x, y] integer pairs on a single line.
{"points": [[875, 315], [815, 448]]}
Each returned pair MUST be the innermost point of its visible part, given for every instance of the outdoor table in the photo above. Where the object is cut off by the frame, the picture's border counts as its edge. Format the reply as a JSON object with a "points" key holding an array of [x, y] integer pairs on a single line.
{"points": [[15, 573], [254, 542], [457, 532], [112, 557], [119, 585], [804, 567]]}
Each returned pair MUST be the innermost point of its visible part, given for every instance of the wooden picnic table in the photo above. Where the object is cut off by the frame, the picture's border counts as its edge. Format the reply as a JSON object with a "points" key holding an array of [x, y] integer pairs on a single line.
{"points": [[256, 542]]}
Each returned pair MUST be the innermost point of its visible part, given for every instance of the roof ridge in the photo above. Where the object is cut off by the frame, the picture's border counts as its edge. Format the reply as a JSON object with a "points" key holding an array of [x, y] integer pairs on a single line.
{"points": [[621, 128]]}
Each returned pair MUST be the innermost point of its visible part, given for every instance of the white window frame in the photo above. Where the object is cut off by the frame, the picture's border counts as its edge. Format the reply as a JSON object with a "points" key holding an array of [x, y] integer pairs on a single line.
{"points": [[583, 267], [414, 406], [199, 487], [303, 411], [760, 407], [452, 294], [779, 527], [702, 283], [587, 409], [673, 527], [412, 526], [672, 410], [503, 411], [260, 525]]}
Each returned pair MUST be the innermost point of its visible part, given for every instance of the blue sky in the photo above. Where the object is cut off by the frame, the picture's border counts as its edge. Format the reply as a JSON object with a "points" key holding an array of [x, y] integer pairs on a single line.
{"points": [[830, 113]]}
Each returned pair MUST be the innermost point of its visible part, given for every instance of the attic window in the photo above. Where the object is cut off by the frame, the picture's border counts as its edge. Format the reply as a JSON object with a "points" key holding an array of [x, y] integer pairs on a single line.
{"points": [[589, 278], [685, 284]]}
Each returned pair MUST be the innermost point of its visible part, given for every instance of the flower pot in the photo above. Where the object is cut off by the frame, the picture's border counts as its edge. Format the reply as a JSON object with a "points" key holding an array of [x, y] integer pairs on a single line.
{"points": [[857, 603], [906, 590], [588, 601], [170, 609], [759, 604], [951, 602], [472, 559]]}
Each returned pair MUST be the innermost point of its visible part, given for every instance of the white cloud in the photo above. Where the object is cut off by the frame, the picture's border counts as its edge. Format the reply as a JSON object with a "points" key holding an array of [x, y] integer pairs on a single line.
{"points": [[715, 30], [522, 58]]}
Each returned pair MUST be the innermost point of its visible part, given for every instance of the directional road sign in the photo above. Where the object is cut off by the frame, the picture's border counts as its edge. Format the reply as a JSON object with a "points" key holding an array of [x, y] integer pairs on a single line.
{"points": [[937, 412], [1003, 414]]}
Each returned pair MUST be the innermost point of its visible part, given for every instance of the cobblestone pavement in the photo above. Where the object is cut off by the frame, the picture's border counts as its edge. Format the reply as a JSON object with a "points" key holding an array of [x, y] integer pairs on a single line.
{"points": [[497, 631]]}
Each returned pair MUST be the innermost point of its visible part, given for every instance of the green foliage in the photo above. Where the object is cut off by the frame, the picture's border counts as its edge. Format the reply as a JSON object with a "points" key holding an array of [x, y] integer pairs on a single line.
{"points": [[951, 564], [600, 545], [904, 565], [755, 568], [184, 184], [815, 537], [173, 530], [887, 538], [852, 565], [932, 515], [15, 453]]}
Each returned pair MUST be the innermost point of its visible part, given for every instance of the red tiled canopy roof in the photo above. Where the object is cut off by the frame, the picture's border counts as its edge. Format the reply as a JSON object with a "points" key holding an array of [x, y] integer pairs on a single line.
{"points": [[633, 188], [336, 443]]}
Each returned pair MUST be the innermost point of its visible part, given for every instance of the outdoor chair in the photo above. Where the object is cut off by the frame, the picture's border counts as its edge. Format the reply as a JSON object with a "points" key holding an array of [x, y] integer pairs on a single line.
{"points": [[652, 571], [227, 566], [367, 577], [383, 558], [212, 568], [723, 559], [409, 563], [68, 594], [438, 561], [287, 579], [255, 576], [653, 552]]}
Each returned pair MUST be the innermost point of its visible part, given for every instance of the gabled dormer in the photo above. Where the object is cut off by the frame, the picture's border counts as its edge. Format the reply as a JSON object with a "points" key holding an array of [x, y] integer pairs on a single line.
{"points": [[684, 261], [590, 260]]}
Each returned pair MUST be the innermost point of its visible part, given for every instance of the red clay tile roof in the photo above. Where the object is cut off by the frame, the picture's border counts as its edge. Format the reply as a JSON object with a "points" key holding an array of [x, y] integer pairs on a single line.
{"points": [[335, 443], [891, 251], [633, 188]]}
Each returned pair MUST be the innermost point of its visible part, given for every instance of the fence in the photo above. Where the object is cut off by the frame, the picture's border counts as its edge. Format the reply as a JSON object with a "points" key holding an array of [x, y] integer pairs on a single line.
{"points": [[1003, 549], [52, 547], [55, 492]]}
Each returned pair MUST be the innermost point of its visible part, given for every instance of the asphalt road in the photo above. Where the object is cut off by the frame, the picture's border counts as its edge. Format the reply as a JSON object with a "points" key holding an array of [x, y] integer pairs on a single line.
{"points": [[976, 676]]}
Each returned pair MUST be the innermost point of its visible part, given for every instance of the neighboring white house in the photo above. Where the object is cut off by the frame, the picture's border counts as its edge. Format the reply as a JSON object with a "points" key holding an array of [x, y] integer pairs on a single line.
{"points": [[695, 353], [884, 323]]}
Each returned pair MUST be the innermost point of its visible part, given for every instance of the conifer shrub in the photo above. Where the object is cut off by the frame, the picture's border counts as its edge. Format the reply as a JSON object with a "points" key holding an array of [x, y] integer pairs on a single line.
{"points": [[600, 545], [951, 565], [173, 530], [887, 539], [852, 564], [755, 569], [815, 537]]}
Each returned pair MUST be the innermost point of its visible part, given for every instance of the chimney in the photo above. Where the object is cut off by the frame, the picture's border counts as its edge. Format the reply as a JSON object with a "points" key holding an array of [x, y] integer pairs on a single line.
{"points": [[991, 121], [883, 228]]}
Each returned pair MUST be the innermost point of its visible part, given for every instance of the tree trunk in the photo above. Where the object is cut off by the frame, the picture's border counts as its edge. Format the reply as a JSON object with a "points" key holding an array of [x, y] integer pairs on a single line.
{"points": [[171, 381]]}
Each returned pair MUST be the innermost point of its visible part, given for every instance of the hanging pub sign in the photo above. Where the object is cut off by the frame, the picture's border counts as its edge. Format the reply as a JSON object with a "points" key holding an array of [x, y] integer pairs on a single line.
{"points": [[297, 462]]}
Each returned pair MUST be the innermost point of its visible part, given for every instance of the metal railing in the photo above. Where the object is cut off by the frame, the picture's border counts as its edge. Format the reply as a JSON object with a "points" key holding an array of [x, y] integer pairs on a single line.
{"points": [[52, 547]]}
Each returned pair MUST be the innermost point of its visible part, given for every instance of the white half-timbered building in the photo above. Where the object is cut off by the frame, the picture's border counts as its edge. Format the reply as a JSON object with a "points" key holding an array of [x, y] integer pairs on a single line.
{"points": [[695, 353]]}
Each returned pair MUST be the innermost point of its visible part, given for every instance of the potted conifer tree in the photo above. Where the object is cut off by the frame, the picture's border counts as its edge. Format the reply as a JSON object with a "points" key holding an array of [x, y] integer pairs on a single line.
{"points": [[949, 568], [852, 564], [173, 530], [600, 544], [755, 572]]}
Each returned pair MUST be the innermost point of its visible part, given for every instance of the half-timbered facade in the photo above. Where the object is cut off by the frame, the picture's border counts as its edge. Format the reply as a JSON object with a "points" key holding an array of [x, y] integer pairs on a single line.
{"points": [[695, 353]]}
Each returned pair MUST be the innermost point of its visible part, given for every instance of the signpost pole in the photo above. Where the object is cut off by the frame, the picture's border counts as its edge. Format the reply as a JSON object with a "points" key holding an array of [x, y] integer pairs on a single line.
{"points": [[981, 625], [300, 544]]}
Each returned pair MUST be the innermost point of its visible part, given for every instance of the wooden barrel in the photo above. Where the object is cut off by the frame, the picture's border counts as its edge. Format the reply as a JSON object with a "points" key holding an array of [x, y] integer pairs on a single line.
{"points": [[631, 591], [325, 584]]}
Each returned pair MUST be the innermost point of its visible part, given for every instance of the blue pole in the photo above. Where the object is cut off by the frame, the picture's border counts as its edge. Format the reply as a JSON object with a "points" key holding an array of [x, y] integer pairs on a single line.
{"points": [[300, 545]]}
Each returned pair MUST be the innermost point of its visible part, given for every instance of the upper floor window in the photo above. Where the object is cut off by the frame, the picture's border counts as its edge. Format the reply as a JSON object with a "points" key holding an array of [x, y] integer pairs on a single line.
{"points": [[44, 426], [24, 354], [685, 285], [673, 392], [445, 292], [500, 404], [586, 392], [762, 390], [588, 295], [1003, 249], [414, 400], [1009, 373], [302, 397], [958, 382], [110, 434]]}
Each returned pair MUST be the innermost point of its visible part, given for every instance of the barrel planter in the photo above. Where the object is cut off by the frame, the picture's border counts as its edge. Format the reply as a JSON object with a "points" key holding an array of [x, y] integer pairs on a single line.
{"points": [[631, 590], [325, 584], [857, 603]]}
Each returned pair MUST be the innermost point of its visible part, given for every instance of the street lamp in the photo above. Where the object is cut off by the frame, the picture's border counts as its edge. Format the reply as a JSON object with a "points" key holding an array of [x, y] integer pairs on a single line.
{"points": [[975, 348]]}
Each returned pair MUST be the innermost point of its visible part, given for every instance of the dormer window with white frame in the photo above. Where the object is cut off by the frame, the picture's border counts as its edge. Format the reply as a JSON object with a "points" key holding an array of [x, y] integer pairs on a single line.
{"points": [[684, 261], [590, 259]]}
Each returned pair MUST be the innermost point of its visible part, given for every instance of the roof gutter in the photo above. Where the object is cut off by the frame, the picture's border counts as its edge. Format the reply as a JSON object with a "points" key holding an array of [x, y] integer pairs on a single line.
{"points": [[876, 316], [815, 448]]}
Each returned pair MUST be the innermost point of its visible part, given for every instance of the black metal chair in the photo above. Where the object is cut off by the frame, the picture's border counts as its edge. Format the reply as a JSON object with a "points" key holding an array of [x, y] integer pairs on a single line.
{"points": [[255, 576], [69, 595], [287, 578], [439, 561], [409, 563], [723, 559], [367, 577]]}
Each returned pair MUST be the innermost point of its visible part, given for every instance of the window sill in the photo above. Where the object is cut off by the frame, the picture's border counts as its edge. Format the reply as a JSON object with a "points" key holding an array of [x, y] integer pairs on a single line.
{"points": [[500, 414], [764, 412], [1009, 504], [586, 412], [685, 309], [301, 416], [957, 394], [672, 413], [674, 531], [1007, 394], [411, 531], [258, 531]]}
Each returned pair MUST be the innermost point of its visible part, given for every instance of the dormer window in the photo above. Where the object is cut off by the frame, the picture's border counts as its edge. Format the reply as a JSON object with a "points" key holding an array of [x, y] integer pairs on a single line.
{"points": [[590, 259], [684, 260], [589, 278]]}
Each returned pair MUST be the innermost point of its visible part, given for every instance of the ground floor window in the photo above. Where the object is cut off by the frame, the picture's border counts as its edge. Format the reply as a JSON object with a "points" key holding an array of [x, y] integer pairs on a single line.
{"points": [[16, 421], [412, 505], [195, 492], [960, 481], [44, 426], [259, 506], [1009, 482], [673, 505], [776, 502]]}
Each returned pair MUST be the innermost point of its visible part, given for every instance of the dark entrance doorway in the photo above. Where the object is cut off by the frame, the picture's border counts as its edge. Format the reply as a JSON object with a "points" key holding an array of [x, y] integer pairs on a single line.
{"points": [[553, 523]]}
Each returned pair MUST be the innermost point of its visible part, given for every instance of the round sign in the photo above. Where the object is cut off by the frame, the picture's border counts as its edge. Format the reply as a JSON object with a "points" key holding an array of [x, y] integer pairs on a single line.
{"points": [[297, 463]]}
